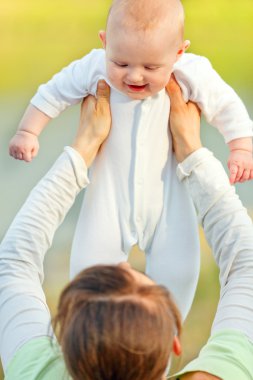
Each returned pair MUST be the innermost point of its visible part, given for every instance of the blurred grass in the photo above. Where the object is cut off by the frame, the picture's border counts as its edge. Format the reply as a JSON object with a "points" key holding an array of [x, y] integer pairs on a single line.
{"points": [[222, 31], [39, 37]]}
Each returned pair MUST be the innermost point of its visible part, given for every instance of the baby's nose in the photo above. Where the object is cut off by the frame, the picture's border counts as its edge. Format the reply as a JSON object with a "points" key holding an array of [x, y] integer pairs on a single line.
{"points": [[134, 76]]}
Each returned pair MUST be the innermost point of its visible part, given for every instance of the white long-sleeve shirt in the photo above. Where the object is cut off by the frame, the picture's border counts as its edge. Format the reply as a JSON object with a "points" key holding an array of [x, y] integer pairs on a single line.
{"points": [[24, 315]]}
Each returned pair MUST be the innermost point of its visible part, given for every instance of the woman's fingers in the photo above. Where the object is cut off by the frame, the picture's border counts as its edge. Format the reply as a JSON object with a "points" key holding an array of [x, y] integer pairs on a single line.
{"points": [[174, 92], [103, 90]]}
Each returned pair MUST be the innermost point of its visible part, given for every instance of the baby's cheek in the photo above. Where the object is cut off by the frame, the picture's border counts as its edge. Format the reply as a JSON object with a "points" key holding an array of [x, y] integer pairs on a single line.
{"points": [[167, 76], [163, 80], [113, 76]]}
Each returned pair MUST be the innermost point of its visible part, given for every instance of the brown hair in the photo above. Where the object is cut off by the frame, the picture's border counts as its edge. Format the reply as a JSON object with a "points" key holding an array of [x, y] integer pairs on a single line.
{"points": [[111, 327]]}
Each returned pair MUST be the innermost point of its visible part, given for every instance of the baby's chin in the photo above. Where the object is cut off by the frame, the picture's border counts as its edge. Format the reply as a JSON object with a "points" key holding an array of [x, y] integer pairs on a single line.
{"points": [[137, 96], [141, 95]]}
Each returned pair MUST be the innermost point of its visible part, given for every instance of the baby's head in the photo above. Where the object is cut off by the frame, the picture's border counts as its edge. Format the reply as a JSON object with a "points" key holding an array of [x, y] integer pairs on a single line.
{"points": [[143, 40]]}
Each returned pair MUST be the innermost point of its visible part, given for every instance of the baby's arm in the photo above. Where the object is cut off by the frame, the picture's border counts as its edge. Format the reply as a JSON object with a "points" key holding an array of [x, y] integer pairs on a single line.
{"points": [[240, 162], [25, 145], [66, 88], [222, 108]]}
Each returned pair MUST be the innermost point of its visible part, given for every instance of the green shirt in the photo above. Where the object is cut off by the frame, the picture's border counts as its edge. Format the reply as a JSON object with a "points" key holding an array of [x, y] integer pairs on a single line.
{"points": [[39, 359], [228, 355]]}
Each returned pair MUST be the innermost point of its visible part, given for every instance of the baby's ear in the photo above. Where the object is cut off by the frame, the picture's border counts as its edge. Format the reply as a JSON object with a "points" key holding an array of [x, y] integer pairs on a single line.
{"points": [[186, 44], [102, 36]]}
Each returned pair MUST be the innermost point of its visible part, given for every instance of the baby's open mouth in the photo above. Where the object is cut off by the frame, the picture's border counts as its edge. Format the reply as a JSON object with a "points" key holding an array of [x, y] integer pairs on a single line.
{"points": [[136, 88]]}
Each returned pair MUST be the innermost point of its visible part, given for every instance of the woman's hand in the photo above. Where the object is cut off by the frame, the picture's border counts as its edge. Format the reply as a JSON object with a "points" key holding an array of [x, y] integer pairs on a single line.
{"points": [[184, 122], [95, 123]]}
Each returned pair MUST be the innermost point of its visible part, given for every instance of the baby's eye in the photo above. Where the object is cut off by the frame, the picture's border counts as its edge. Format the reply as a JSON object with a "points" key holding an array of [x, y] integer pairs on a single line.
{"points": [[120, 64], [151, 68]]}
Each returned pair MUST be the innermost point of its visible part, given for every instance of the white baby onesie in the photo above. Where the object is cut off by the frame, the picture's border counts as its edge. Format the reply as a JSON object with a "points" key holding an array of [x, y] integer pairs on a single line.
{"points": [[134, 195]]}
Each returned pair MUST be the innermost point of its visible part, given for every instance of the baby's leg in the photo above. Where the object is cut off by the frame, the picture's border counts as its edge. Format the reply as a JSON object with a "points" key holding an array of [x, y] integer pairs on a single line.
{"points": [[101, 235], [173, 257]]}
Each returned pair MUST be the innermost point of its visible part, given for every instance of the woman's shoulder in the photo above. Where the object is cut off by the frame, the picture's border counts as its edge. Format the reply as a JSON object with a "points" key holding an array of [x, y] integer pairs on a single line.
{"points": [[39, 359]]}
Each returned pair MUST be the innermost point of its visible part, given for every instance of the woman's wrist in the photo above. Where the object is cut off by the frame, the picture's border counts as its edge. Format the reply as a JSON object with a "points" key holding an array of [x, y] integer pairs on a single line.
{"points": [[183, 147], [87, 147]]}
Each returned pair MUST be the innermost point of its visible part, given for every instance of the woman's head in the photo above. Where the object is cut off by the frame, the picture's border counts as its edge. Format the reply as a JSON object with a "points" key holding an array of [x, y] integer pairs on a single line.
{"points": [[113, 325]]}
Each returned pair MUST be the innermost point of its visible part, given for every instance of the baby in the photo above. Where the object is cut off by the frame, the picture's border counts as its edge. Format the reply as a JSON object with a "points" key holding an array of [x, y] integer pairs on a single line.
{"points": [[133, 198]]}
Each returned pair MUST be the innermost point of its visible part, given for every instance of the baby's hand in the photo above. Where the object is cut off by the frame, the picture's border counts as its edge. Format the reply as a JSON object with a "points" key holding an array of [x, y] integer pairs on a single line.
{"points": [[24, 146], [240, 164]]}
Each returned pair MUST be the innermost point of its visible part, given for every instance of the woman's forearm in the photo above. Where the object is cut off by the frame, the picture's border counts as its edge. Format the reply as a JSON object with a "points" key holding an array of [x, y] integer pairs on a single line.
{"points": [[31, 233], [23, 310], [229, 231]]}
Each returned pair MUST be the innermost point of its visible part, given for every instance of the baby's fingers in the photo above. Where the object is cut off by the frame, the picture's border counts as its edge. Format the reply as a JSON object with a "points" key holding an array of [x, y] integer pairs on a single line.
{"points": [[239, 174], [27, 156], [15, 153], [19, 156], [245, 175], [233, 173], [34, 151], [12, 150]]}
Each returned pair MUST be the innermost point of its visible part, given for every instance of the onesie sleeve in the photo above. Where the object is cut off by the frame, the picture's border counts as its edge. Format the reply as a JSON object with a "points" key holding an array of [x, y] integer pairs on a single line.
{"points": [[24, 313], [219, 103], [71, 84]]}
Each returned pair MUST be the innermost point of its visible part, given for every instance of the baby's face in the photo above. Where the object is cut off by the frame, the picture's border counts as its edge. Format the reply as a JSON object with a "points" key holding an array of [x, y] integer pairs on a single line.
{"points": [[139, 64]]}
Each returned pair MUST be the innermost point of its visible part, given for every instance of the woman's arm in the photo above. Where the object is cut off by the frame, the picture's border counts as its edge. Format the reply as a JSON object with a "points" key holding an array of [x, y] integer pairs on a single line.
{"points": [[24, 314], [23, 310], [229, 231], [227, 226]]}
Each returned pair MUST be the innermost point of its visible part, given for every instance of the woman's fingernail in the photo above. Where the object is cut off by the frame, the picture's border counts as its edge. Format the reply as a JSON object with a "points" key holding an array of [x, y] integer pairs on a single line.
{"points": [[102, 84]]}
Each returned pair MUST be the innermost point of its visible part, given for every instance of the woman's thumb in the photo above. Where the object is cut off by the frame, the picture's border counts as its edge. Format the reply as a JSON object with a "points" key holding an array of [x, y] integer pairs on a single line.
{"points": [[103, 90], [174, 91]]}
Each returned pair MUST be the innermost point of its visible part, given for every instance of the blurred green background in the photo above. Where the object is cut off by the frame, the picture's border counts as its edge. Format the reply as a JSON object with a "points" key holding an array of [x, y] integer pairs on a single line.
{"points": [[38, 38]]}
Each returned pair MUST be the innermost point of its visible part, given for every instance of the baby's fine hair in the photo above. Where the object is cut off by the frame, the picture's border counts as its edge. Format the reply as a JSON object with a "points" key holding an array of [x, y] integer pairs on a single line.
{"points": [[112, 327], [147, 14]]}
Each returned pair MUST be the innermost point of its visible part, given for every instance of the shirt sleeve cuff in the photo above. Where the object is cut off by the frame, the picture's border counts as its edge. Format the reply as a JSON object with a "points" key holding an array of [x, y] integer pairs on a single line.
{"points": [[79, 165], [185, 168], [228, 354]]}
